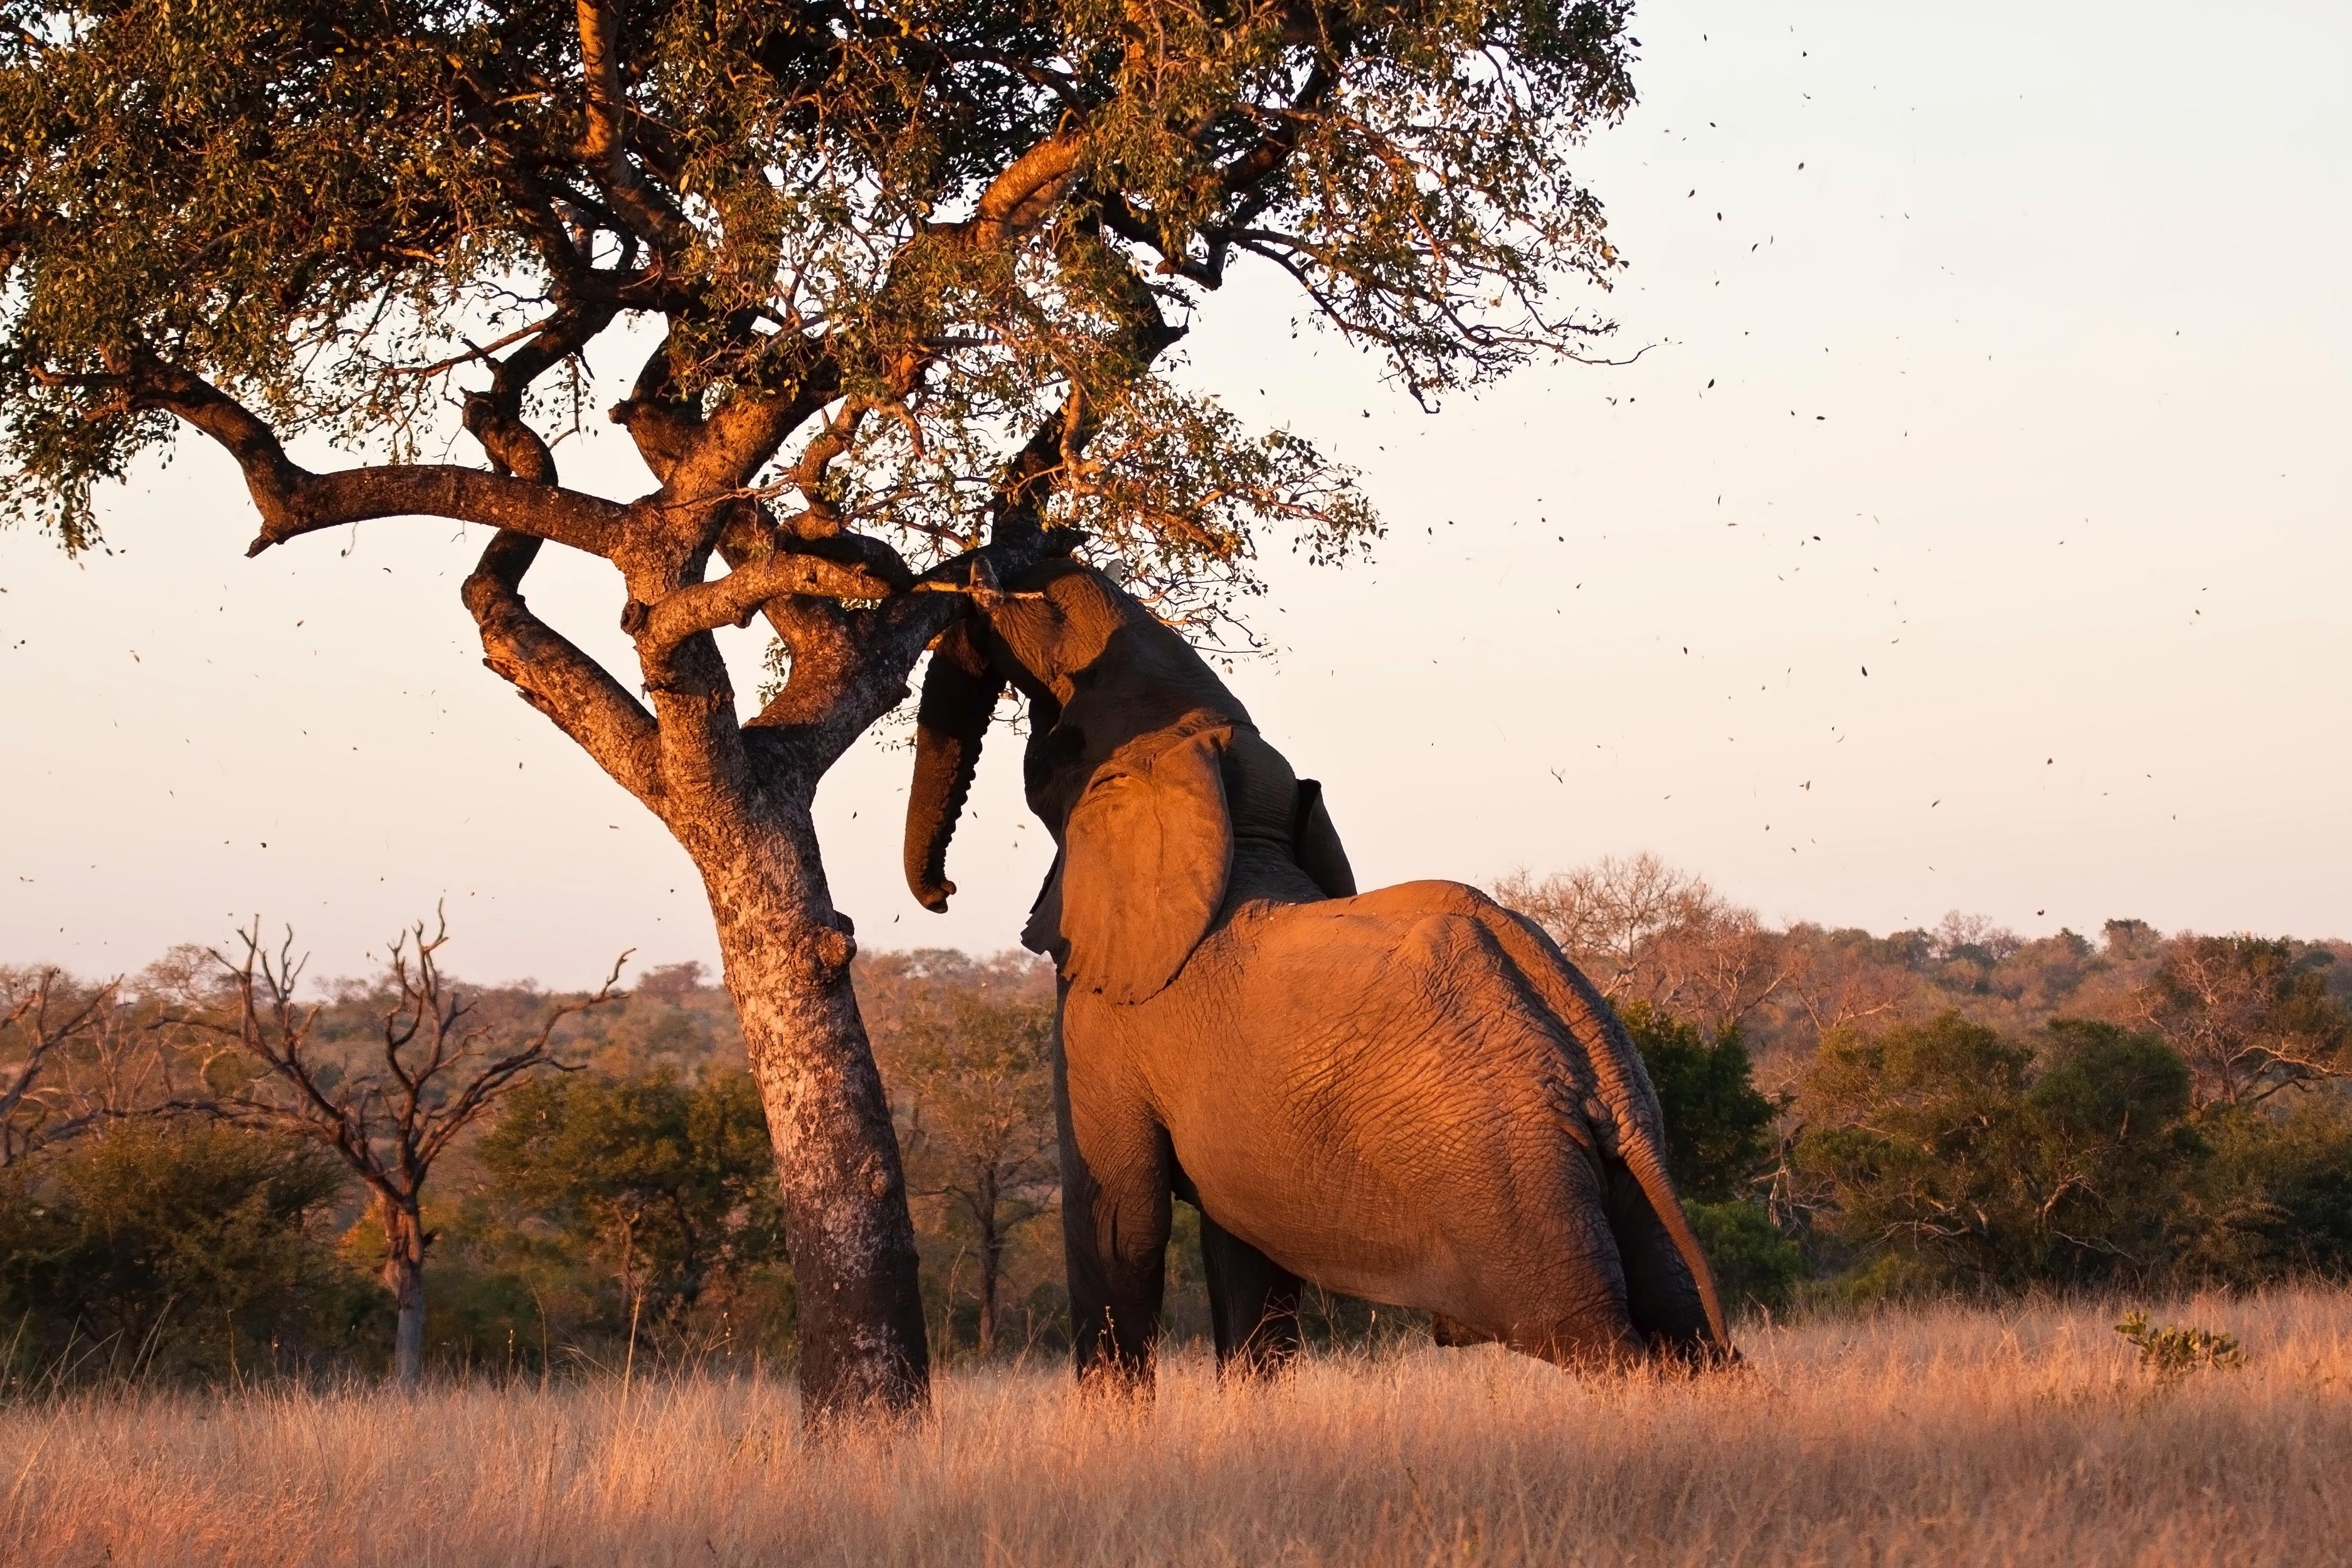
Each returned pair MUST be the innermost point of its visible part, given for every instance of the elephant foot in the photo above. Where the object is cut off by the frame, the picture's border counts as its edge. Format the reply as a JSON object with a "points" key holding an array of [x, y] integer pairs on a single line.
{"points": [[1452, 1332], [1694, 1357], [1120, 1382], [1584, 1346]]}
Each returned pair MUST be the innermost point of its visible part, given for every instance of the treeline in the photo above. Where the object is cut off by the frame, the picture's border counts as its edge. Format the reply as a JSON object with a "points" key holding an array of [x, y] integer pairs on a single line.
{"points": [[207, 1173], [1854, 1116], [211, 1170]]}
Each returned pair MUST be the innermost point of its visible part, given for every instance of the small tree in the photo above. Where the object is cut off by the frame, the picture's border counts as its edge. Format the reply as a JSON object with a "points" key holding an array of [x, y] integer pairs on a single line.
{"points": [[42, 1013], [1718, 1125], [389, 1121], [1718, 1141], [976, 1083]]}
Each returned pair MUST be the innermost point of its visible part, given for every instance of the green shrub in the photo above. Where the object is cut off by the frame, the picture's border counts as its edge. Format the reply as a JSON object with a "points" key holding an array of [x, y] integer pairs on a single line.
{"points": [[184, 1251], [2274, 1197], [1879, 1280], [1755, 1265], [2175, 1351], [1989, 1162], [636, 1200], [1718, 1126]]}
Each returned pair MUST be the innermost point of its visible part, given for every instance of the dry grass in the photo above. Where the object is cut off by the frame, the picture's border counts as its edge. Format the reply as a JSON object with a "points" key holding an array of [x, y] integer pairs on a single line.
{"points": [[1947, 1437]]}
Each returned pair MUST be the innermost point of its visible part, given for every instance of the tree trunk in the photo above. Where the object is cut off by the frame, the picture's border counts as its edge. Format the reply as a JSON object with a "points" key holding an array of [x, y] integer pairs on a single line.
{"points": [[860, 1330], [992, 1258], [403, 1275], [988, 1294]]}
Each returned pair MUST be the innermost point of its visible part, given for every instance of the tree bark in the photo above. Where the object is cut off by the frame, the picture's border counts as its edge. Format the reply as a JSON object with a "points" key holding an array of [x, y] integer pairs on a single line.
{"points": [[787, 952], [403, 1275], [991, 1262]]}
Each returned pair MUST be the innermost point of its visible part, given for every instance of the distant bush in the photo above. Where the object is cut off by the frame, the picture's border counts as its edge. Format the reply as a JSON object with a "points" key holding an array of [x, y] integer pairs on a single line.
{"points": [[182, 1251], [647, 1202], [1718, 1143], [1992, 1163], [2082, 1157], [2273, 1195]]}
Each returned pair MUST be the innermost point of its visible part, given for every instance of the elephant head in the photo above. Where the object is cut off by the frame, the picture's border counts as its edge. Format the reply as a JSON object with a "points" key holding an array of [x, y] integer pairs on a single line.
{"points": [[1142, 763]]}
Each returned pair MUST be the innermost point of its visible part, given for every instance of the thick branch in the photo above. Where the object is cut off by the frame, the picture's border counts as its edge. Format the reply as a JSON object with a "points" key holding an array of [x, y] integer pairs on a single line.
{"points": [[585, 522], [841, 683], [556, 677], [734, 599], [294, 501], [1019, 198], [605, 145], [745, 431]]}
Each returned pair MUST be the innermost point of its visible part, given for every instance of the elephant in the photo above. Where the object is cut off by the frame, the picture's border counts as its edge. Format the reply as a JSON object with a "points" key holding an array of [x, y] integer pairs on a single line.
{"points": [[1408, 1095]]}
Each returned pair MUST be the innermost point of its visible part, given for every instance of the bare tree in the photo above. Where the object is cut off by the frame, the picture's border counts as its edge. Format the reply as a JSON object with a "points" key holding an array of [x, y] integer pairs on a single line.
{"points": [[2248, 1015], [42, 1012], [1644, 930], [438, 1071], [1830, 983]]}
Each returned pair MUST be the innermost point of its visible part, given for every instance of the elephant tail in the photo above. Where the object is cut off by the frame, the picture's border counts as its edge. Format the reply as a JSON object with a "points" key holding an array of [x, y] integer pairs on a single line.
{"points": [[1639, 1152]]}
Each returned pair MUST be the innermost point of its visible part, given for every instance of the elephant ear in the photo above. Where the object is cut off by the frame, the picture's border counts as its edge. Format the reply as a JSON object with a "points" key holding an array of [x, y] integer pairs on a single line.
{"points": [[1315, 844], [1145, 859], [1043, 932]]}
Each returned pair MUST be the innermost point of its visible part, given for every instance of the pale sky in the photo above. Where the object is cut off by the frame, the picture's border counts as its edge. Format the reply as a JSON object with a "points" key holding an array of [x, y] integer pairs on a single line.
{"points": [[2030, 371]]}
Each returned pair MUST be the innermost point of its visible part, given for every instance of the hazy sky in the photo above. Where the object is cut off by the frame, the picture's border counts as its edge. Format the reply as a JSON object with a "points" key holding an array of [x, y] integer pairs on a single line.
{"points": [[2001, 352]]}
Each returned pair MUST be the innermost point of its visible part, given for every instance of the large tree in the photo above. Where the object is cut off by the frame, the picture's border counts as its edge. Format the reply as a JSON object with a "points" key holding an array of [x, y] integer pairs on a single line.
{"points": [[903, 274]]}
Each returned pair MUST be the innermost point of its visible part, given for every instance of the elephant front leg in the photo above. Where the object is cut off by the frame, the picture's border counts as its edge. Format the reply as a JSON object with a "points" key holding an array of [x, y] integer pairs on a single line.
{"points": [[1115, 1222], [1252, 1302]]}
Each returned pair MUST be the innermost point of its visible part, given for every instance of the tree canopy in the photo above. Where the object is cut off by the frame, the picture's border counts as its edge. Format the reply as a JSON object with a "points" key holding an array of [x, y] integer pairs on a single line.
{"points": [[935, 246]]}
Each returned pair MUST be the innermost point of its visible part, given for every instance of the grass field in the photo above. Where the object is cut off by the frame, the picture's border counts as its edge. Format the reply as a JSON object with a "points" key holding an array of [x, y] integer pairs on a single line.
{"points": [[1944, 1436]]}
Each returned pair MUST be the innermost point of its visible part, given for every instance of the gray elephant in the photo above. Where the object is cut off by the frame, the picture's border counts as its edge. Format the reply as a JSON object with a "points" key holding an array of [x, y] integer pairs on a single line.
{"points": [[1409, 1095]]}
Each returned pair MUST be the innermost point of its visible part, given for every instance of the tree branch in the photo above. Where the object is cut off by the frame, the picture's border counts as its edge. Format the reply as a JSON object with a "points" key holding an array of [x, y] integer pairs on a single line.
{"points": [[1020, 195], [605, 143], [555, 677], [31, 1014], [860, 568], [294, 501], [588, 523]]}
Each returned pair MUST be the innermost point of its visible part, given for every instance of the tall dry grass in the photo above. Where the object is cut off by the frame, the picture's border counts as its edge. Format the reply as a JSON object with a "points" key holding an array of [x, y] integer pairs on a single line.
{"points": [[1945, 1436]]}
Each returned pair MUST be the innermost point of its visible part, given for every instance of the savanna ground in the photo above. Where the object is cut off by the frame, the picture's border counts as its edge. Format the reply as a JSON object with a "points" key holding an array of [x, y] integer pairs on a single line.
{"points": [[1942, 1434]]}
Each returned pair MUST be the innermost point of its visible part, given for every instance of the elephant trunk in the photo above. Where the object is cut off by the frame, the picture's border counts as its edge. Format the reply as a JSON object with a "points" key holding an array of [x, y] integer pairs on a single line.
{"points": [[960, 694]]}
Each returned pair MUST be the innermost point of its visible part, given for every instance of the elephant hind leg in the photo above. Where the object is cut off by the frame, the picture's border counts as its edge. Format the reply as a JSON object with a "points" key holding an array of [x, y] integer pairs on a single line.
{"points": [[1252, 1303]]}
